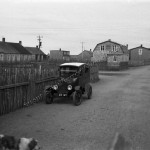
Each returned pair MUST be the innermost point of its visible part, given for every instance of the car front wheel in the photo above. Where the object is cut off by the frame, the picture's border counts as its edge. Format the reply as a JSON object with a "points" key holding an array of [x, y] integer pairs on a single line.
{"points": [[77, 98]]}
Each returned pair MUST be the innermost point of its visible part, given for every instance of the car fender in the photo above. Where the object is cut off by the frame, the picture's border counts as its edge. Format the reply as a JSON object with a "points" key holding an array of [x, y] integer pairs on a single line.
{"points": [[49, 90]]}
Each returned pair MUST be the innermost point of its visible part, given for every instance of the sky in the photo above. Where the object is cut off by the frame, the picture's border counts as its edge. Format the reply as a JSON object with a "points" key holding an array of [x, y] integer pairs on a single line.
{"points": [[66, 24]]}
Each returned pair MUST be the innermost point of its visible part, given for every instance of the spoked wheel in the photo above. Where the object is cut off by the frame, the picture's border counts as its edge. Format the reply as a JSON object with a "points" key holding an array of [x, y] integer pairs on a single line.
{"points": [[77, 98], [49, 99], [89, 94]]}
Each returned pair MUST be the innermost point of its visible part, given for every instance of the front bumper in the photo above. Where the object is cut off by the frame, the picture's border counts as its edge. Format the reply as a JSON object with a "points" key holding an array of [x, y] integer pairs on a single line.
{"points": [[63, 93]]}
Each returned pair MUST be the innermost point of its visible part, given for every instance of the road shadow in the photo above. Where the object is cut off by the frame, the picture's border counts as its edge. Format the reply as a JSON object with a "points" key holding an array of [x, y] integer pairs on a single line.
{"points": [[114, 73], [67, 100]]}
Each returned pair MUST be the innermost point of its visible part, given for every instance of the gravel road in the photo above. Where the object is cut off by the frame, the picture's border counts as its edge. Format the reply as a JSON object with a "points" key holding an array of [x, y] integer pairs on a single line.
{"points": [[120, 103]]}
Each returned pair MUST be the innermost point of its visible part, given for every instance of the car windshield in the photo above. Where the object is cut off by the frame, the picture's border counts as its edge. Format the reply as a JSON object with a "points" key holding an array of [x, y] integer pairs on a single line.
{"points": [[66, 71]]}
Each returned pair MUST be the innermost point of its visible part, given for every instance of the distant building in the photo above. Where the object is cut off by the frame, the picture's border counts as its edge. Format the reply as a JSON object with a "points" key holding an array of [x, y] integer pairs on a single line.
{"points": [[139, 55], [60, 55], [36, 53], [13, 52], [114, 54], [85, 55], [74, 58], [111, 52]]}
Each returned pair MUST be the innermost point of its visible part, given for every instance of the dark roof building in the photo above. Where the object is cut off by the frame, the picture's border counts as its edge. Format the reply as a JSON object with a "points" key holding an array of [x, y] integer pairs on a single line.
{"points": [[6, 48], [37, 53], [85, 55], [35, 50], [20, 48], [15, 52], [12, 48]]}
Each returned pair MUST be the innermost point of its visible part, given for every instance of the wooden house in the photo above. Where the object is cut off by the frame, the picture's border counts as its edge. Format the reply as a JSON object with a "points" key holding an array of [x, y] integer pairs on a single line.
{"points": [[111, 52], [37, 54], [139, 55], [86, 56], [13, 52], [60, 55]]}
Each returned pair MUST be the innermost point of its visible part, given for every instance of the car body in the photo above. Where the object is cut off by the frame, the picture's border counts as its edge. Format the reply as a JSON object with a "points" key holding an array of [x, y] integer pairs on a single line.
{"points": [[74, 80]]}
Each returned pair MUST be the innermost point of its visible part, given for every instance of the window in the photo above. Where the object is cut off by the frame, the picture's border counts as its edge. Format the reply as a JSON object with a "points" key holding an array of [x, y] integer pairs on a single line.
{"points": [[115, 48], [140, 51], [102, 48], [114, 59]]}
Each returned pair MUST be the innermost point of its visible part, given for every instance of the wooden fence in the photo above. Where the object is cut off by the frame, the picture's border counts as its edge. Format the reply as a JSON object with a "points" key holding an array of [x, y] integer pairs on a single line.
{"points": [[133, 63], [23, 85]]}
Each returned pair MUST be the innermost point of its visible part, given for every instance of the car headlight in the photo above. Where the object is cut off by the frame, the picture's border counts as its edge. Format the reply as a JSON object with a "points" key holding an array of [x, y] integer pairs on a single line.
{"points": [[55, 87], [69, 87]]}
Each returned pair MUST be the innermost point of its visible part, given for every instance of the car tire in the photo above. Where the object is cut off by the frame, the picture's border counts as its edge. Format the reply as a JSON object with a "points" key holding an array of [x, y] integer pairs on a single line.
{"points": [[48, 99], [89, 94], [77, 98]]}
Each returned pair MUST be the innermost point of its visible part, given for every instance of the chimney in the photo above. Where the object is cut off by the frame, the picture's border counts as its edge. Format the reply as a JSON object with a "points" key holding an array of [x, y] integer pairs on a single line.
{"points": [[90, 50], [141, 45], [3, 39], [109, 39], [20, 42], [60, 49], [127, 45], [36, 46]]}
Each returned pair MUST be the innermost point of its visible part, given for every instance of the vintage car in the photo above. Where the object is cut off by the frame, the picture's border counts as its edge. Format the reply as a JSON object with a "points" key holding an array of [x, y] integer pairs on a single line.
{"points": [[73, 81]]}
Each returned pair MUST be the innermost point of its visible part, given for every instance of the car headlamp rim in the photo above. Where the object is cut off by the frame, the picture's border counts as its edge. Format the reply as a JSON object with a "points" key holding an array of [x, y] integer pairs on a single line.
{"points": [[55, 87], [69, 87]]}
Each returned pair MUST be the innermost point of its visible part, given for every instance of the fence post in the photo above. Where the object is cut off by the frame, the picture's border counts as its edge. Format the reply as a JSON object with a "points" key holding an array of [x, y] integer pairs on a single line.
{"points": [[31, 87]]}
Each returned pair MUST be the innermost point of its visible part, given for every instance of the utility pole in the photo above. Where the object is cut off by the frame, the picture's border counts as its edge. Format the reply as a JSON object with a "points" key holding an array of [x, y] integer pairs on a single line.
{"points": [[40, 42], [82, 49]]}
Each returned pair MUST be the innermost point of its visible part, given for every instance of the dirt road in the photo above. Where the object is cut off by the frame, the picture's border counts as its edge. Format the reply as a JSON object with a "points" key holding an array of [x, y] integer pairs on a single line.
{"points": [[120, 103]]}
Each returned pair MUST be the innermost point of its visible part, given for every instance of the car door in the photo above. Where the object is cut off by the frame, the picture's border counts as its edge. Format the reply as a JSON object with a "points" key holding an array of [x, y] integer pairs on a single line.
{"points": [[84, 76]]}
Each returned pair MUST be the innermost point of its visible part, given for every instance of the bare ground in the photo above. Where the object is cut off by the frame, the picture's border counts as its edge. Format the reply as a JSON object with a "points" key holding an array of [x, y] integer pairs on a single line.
{"points": [[120, 103]]}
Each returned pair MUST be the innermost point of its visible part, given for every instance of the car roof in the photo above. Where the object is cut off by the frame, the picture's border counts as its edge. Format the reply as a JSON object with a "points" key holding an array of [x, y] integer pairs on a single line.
{"points": [[72, 64]]}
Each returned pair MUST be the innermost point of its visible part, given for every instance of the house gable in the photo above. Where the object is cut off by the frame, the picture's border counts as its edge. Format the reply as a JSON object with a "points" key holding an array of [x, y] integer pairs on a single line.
{"points": [[102, 50], [111, 47]]}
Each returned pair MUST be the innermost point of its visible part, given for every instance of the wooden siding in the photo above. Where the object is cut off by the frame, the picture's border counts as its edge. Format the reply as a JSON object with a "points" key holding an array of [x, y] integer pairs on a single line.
{"points": [[139, 54], [118, 58], [100, 54], [23, 85], [16, 58]]}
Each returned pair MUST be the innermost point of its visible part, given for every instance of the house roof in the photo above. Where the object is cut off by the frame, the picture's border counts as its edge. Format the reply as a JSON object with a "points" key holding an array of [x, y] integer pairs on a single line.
{"points": [[35, 50], [60, 50], [141, 46], [109, 41], [12, 48], [86, 51], [123, 47], [7, 48], [20, 48]]}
